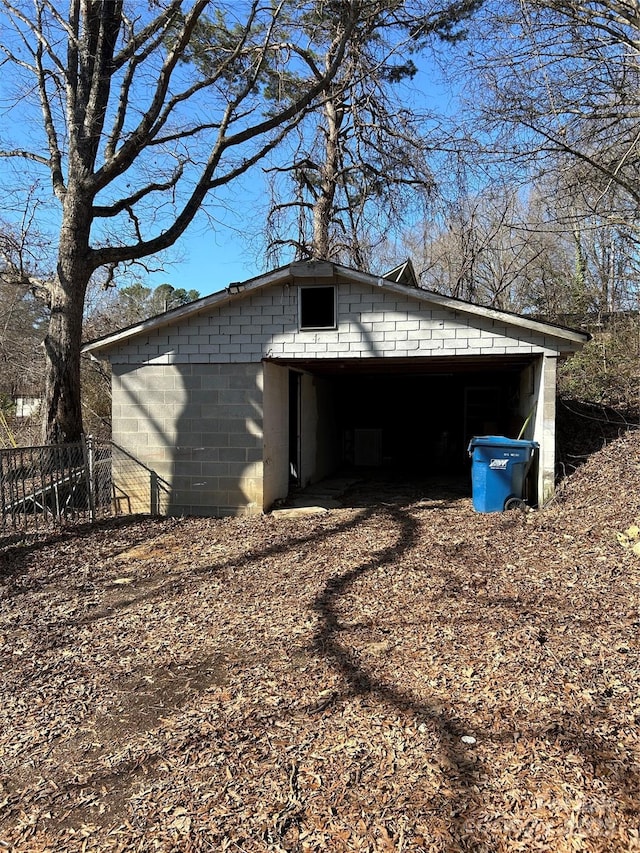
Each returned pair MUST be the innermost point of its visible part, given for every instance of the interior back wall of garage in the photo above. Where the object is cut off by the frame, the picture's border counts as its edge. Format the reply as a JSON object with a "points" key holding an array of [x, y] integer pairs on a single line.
{"points": [[419, 423]]}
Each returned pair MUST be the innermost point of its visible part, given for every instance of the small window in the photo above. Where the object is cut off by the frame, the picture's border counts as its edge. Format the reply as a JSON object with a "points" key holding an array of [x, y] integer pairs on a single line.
{"points": [[317, 307]]}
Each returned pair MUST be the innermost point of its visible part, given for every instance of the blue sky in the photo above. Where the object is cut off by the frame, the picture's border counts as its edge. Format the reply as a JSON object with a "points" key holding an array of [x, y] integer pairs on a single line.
{"points": [[220, 246], [211, 255], [207, 258]]}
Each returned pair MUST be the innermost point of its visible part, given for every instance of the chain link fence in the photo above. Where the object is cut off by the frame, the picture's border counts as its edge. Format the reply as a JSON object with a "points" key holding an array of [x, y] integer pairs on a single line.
{"points": [[49, 486]]}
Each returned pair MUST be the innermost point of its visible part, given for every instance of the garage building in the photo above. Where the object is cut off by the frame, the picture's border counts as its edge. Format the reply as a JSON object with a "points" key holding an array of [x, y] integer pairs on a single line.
{"points": [[288, 377]]}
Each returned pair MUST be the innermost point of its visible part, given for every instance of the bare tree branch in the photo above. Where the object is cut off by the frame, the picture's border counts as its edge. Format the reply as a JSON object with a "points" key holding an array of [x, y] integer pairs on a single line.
{"points": [[131, 200]]}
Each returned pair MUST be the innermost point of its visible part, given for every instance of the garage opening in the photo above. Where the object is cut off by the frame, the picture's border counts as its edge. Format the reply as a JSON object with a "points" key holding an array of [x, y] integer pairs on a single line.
{"points": [[406, 419]]}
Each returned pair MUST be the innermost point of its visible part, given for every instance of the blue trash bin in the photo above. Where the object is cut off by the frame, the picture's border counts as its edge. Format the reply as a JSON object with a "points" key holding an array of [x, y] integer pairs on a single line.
{"points": [[499, 468]]}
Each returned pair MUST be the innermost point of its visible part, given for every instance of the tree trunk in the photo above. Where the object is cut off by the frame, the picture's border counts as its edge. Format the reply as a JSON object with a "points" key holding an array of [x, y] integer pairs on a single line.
{"points": [[323, 205], [62, 414], [117, 125]]}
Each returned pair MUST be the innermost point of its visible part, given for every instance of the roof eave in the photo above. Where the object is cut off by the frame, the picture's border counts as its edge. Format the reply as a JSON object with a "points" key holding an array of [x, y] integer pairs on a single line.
{"points": [[232, 292], [573, 338]]}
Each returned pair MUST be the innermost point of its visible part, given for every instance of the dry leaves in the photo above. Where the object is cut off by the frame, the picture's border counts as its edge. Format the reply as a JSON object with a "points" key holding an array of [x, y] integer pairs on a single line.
{"points": [[402, 674]]}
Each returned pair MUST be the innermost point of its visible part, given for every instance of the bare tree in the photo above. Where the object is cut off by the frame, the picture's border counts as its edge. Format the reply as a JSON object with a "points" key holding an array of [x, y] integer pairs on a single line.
{"points": [[537, 251], [362, 161], [135, 134], [482, 248], [603, 246], [23, 315], [555, 83]]}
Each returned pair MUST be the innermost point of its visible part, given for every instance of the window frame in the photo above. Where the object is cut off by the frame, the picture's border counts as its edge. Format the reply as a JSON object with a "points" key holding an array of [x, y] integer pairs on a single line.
{"points": [[317, 328]]}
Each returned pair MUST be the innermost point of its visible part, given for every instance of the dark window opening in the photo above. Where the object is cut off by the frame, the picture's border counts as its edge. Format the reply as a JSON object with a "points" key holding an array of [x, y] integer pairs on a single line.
{"points": [[317, 308]]}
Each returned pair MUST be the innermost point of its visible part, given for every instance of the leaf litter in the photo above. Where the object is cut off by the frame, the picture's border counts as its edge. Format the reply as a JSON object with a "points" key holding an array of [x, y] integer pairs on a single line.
{"points": [[401, 674]]}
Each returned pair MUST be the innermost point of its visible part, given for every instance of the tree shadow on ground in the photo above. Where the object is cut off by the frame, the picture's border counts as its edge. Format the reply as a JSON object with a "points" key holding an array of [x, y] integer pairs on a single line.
{"points": [[569, 731], [450, 727], [17, 548], [402, 522]]}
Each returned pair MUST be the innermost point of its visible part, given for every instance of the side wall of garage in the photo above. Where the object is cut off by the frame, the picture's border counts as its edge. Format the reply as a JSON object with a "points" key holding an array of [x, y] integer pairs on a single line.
{"points": [[319, 430], [192, 436], [545, 424]]}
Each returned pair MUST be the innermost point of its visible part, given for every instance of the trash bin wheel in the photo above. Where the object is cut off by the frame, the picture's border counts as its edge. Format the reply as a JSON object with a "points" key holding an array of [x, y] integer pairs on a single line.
{"points": [[515, 503]]}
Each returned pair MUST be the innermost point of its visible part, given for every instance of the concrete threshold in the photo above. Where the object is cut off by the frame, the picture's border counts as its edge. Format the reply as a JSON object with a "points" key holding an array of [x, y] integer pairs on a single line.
{"points": [[315, 499]]}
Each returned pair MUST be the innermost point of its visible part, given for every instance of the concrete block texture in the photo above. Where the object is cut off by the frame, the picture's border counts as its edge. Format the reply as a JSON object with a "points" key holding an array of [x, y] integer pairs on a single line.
{"points": [[207, 455], [265, 325]]}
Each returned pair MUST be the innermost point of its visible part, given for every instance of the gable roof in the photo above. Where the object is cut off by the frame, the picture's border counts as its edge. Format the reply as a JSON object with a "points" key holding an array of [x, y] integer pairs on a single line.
{"points": [[401, 280]]}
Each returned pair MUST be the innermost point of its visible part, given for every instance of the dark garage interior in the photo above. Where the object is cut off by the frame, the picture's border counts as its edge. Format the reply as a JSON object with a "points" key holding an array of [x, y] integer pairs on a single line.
{"points": [[411, 418]]}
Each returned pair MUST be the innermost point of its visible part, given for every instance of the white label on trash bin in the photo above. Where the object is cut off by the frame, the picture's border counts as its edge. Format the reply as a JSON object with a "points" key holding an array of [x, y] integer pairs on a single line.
{"points": [[498, 464]]}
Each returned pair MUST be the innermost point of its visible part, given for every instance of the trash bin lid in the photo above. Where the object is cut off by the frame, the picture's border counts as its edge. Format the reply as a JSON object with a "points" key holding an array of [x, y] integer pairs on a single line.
{"points": [[500, 441]]}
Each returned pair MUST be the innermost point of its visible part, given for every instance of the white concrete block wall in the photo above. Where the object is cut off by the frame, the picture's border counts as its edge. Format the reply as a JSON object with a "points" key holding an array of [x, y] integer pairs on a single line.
{"points": [[198, 428], [371, 322], [545, 425]]}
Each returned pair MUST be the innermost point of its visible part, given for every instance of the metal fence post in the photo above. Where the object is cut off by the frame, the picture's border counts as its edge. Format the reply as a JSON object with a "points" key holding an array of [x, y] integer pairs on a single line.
{"points": [[88, 451], [55, 483], [154, 487]]}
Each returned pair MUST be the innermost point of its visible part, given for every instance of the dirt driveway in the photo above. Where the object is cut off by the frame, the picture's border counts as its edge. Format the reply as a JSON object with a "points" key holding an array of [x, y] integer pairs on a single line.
{"points": [[402, 674]]}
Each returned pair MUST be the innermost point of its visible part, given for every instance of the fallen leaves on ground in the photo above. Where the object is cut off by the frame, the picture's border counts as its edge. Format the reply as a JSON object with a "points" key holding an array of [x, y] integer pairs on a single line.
{"points": [[402, 674]]}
